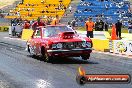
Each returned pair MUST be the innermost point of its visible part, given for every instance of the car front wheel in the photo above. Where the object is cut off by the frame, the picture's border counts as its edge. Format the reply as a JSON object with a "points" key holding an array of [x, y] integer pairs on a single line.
{"points": [[45, 56], [85, 57]]}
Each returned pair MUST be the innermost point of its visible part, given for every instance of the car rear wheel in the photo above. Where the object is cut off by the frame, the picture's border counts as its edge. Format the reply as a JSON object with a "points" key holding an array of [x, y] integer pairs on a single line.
{"points": [[86, 57], [45, 56]]}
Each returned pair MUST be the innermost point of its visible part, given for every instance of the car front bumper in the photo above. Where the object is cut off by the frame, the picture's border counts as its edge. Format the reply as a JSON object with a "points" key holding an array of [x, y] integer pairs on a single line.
{"points": [[72, 52]]}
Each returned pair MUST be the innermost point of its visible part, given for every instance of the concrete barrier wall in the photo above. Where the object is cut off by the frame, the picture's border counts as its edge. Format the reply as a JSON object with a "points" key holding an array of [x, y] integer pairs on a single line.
{"points": [[101, 44], [122, 47], [26, 34], [4, 28]]}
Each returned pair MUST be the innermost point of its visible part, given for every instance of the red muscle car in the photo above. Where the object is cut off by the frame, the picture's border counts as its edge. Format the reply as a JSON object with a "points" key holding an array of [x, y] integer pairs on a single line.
{"points": [[58, 41]]}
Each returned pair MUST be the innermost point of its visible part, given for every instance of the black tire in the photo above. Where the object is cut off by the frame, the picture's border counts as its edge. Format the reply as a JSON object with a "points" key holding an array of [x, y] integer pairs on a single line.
{"points": [[45, 56], [86, 57]]}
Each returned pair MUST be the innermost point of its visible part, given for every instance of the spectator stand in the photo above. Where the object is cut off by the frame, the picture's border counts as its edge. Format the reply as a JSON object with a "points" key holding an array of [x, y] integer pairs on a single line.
{"points": [[108, 10], [32, 9]]}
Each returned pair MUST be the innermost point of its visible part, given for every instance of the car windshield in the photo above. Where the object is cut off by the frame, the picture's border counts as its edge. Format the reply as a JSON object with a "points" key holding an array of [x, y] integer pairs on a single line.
{"points": [[52, 31]]}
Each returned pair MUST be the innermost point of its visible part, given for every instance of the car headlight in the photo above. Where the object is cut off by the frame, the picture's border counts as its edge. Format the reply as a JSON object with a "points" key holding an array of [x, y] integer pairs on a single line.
{"points": [[54, 46], [88, 44], [84, 44], [59, 45]]}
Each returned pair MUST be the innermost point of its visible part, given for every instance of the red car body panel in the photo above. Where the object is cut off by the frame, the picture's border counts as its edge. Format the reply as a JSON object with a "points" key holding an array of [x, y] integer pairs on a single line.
{"points": [[38, 42]]}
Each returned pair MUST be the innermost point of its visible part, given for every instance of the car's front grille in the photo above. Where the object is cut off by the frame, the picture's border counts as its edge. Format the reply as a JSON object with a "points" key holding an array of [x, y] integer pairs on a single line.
{"points": [[72, 45]]}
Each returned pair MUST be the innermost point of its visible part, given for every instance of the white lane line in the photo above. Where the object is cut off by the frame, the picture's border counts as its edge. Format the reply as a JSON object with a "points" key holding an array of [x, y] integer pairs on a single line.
{"points": [[14, 38]]}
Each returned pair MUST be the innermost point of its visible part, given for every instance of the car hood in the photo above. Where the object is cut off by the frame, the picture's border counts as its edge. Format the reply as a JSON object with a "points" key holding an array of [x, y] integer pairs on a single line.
{"points": [[74, 39]]}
